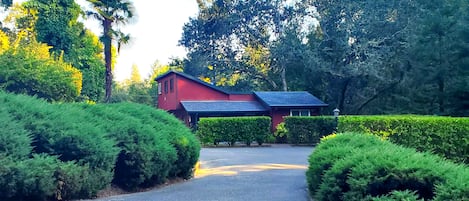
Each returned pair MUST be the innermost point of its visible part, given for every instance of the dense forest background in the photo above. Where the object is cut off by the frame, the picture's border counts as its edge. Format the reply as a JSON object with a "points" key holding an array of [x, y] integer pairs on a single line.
{"points": [[363, 57]]}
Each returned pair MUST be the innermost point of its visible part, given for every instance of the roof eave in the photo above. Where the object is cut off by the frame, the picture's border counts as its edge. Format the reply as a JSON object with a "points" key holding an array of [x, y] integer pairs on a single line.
{"points": [[286, 106], [224, 112]]}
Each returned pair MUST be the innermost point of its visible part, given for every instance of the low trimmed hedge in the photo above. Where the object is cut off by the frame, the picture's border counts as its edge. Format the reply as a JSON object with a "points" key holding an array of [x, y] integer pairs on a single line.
{"points": [[444, 136], [72, 151], [364, 167], [308, 130], [234, 129]]}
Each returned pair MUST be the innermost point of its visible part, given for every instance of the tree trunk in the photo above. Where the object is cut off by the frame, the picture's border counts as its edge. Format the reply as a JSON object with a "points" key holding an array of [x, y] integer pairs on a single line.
{"points": [[441, 95], [107, 40], [284, 79], [381, 92], [342, 95]]}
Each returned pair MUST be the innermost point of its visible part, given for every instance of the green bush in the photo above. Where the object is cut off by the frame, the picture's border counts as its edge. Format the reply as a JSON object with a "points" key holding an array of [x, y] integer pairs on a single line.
{"points": [[399, 195], [65, 132], [329, 151], [181, 138], [44, 178], [280, 133], [146, 155], [71, 151], [27, 71], [308, 130], [363, 168], [15, 141], [31, 179], [234, 129], [445, 136]]}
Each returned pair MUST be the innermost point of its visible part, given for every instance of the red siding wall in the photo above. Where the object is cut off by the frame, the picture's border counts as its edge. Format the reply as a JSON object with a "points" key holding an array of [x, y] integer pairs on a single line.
{"points": [[190, 90], [277, 115], [168, 101], [185, 90]]}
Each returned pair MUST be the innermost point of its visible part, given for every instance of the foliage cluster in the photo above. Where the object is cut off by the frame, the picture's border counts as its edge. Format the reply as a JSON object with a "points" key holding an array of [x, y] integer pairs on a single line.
{"points": [[445, 136], [307, 130], [354, 166], [29, 69], [364, 57], [70, 151], [234, 129], [54, 25], [280, 133], [136, 90], [143, 91]]}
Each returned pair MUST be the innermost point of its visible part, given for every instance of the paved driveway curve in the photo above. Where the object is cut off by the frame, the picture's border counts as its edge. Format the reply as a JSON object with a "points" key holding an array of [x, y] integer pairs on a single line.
{"points": [[274, 173]]}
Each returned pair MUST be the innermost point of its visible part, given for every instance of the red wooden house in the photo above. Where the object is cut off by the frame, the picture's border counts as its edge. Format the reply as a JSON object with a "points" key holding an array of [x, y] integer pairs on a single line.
{"points": [[189, 98]]}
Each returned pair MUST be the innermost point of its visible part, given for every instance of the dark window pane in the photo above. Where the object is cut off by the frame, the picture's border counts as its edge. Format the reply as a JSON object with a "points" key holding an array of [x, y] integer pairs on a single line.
{"points": [[171, 85], [304, 113]]}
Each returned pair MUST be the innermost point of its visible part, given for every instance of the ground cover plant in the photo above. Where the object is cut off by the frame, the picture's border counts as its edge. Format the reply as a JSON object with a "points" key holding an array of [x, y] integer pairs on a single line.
{"points": [[71, 151], [364, 167]]}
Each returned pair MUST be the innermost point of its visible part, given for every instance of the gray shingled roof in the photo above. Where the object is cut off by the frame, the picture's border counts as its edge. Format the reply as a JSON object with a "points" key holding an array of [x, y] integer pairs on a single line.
{"points": [[290, 99], [222, 106]]}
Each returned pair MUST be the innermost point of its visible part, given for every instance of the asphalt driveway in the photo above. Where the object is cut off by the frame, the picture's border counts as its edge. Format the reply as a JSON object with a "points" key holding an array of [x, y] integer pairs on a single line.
{"points": [[274, 173]]}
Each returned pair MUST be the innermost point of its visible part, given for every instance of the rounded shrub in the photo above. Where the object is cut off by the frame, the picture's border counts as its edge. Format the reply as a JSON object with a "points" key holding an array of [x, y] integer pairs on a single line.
{"points": [[333, 148], [70, 151], [44, 177], [280, 133], [380, 170], [179, 136], [65, 132], [145, 156]]}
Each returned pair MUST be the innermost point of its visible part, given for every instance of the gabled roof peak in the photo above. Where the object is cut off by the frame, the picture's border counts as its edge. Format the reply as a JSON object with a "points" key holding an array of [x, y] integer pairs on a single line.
{"points": [[190, 77]]}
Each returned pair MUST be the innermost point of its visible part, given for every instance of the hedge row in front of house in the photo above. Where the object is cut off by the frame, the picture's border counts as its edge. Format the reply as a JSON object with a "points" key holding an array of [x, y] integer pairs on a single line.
{"points": [[71, 151], [308, 130], [445, 136], [365, 167], [234, 129]]}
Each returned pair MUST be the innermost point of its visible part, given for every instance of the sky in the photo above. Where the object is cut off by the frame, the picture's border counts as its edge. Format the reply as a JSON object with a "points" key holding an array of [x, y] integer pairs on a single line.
{"points": [[154, 34]]}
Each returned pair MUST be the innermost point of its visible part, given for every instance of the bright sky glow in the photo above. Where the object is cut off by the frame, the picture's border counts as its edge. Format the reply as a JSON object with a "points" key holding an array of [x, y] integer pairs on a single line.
{"points": [[154, 34]]}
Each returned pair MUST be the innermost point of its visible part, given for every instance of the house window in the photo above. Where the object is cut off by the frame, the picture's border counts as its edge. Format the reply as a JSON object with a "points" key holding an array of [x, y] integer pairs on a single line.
{"points": [[171, 85], [301, 113], [166, 86], [159, 88]]}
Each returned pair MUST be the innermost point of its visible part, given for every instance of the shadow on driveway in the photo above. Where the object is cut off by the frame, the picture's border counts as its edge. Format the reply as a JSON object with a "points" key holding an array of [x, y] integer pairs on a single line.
{"points": [[275, 173]]}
